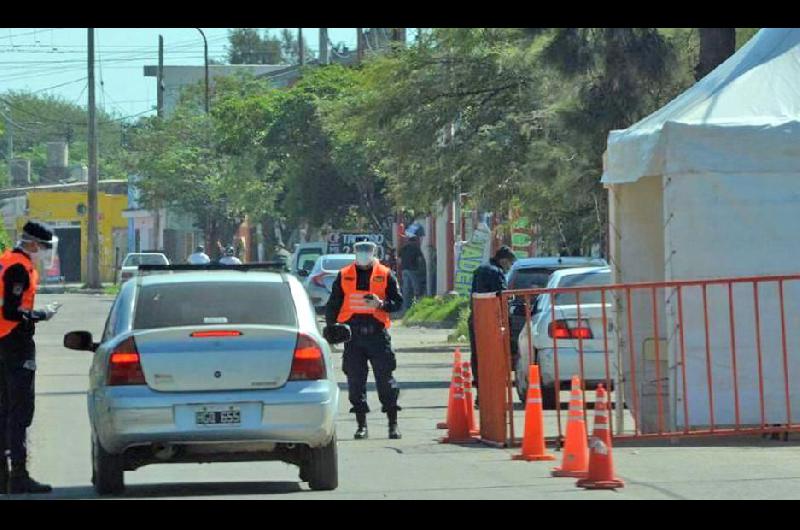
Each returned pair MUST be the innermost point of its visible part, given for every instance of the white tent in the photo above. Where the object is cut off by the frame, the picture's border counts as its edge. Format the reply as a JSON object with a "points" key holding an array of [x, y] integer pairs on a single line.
{"points": [[709, 187]]}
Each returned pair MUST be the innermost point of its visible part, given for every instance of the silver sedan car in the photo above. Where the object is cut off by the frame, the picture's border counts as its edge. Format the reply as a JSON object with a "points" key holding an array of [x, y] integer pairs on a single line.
{"points": [[319, 280], [211, 366]]}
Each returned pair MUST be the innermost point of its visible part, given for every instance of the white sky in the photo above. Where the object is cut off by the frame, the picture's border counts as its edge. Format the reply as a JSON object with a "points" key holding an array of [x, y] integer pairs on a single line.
{"points": [[53, 60]]}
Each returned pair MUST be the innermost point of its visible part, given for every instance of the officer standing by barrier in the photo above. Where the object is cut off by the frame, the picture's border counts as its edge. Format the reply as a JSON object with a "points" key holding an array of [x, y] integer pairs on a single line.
{"points": [[362, 297], [488, 278], [18, 351]]}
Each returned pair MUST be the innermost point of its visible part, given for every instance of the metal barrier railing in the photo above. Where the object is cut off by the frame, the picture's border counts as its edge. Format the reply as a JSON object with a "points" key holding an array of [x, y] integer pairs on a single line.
{"points": [[682, 358]]}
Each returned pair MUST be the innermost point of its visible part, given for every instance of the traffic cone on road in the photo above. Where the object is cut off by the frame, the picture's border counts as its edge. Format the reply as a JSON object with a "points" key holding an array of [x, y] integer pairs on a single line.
{"points": [[533, 447], [458, 425], [456, 371], [575, 461], [601, 464], [466, 374]]}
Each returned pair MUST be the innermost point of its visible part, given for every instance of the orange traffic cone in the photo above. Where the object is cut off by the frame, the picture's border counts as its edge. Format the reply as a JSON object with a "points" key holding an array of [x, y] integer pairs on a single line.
{"points": [[575, 462], [466, 373], [533, 447], [456, 369], [458, 426], [601, 464]]}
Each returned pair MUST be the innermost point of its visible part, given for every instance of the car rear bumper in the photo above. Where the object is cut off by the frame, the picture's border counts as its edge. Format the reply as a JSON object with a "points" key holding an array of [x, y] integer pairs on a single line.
{"points": [[300, 412], [569, 364]]}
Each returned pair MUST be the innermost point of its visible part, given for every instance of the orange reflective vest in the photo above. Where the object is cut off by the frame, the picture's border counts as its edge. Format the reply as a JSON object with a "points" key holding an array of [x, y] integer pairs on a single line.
{"points": [[9, 259], [354, 303]]}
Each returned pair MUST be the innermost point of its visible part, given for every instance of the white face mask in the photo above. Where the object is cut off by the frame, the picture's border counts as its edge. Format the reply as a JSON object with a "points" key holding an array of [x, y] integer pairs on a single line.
{"points": [[364, 258]]}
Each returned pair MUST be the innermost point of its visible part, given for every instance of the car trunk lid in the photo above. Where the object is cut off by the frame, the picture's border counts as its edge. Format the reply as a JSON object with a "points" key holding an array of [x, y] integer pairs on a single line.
{"points": [[190, 358]]}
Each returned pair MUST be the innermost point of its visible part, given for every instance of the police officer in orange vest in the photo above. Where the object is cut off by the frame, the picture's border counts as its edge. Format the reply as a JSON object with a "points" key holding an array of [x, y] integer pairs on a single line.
{"points": [[362, 297], [18, 282]]}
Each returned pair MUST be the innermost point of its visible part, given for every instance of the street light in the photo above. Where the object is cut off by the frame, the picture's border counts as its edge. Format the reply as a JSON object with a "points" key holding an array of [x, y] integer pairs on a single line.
{"points": [[205, 47]]}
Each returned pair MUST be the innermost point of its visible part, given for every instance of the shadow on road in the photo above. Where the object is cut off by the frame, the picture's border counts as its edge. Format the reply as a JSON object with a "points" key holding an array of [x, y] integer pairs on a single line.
{"points": [[408, 385], [185, 489]]}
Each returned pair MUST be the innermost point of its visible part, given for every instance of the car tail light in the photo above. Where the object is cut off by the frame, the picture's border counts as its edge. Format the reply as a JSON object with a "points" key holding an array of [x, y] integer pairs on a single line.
{"points": [[308, 363], [124, 365], [216, 333], [317, 279], [560, 330]]}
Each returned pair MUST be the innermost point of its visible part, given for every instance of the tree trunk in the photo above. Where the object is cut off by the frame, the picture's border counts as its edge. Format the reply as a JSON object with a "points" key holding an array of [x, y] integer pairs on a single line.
{"points": [[716, 45]]}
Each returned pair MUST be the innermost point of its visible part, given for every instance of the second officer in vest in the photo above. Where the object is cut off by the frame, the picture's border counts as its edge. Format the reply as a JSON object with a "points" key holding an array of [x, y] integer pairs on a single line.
{"points": [[362, 297]]}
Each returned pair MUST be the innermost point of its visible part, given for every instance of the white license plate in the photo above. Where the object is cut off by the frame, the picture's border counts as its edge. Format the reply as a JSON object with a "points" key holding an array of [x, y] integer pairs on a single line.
{"points": [[218, 415]]}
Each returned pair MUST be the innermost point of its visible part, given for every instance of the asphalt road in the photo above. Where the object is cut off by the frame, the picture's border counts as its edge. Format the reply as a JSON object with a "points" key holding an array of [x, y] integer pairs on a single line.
{"points": [[416, 467]]}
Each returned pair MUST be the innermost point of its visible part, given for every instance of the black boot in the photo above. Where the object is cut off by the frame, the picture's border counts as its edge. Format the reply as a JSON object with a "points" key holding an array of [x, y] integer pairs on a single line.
{"points": [[21, 482], [394, 433], [4, 477], [361, 432]]}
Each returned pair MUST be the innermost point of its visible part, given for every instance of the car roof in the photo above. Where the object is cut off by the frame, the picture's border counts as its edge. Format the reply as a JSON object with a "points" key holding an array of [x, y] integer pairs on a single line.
{"points": [[144, 254], [338, 256], [556, 261], [211, 276], [561, 273]]}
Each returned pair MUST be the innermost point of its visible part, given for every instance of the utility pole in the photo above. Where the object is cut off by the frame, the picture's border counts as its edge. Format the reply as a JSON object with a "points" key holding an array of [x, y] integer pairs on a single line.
{"points": [[93, 258], [323, 46], [160, 79], [205, 51], [300, 47], [359, 44]]}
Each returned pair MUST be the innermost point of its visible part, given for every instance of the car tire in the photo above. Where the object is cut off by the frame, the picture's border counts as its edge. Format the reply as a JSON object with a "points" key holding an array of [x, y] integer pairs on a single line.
{"points": [[521, 378], [548, 397], [108, 471], [322, 471]]}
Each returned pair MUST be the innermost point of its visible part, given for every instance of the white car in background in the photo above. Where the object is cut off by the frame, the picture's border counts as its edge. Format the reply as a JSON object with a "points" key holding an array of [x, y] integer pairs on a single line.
{"points": [[319, 281], [211, 366], [130, 265], [569, 333]]}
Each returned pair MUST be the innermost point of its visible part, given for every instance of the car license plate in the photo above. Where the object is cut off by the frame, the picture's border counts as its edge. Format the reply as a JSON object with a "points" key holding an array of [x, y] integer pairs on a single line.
{"points": [[218, 416]]}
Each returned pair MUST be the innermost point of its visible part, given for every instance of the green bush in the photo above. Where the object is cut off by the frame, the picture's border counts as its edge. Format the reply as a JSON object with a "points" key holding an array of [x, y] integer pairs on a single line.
{"points": [[435, 310], [5, 240], [462, 326]]}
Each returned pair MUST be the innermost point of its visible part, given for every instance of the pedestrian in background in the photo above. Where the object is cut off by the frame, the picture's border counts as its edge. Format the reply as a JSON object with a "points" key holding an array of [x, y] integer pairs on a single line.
{"points": [[488, 278]]}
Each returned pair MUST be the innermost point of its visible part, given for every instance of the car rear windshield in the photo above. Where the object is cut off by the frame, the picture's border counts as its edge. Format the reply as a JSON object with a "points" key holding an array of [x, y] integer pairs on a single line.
{"points": [[214, 303], [530, 278], [335, 264], [583, 280], [140, 259]]}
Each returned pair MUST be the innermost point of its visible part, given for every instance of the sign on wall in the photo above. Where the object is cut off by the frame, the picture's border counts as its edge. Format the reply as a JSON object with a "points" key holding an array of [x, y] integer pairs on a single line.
{"points": [[470, 257]]}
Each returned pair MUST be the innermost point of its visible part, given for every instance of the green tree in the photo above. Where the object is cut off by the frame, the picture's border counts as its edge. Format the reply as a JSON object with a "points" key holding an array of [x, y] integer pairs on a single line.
{"points": [[250, 46]]}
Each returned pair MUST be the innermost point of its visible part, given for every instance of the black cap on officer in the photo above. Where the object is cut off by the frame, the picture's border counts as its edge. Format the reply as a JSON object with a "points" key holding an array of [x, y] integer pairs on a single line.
{"points": [[33, 231]]}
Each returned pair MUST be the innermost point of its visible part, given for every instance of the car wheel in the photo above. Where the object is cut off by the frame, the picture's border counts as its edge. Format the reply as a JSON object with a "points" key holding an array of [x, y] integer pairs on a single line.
{"points": [[548, 397], [322, 471], [107, 471], [521, 377]]}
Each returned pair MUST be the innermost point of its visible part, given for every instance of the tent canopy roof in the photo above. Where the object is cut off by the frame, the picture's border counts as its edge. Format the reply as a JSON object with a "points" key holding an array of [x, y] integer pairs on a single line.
{"points": [[743, 116]]}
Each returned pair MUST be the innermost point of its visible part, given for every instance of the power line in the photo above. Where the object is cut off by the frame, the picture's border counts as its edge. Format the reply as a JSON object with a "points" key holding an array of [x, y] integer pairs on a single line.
{"points": [[11, 36]]}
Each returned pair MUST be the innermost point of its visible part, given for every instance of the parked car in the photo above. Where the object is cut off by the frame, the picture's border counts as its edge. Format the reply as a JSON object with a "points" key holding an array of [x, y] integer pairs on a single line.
{"points": [[569, 334], [196, 367], [305, 256], [319, 281], [534, 273], [132, 261]]}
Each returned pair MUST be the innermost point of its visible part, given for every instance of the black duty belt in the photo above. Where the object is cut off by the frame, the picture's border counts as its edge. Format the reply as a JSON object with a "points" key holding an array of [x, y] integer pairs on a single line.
{"points": [[362, 330]]}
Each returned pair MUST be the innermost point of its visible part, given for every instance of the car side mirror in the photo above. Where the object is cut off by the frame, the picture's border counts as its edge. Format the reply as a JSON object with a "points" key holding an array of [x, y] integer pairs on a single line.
{"points": [[80, 340], [303, 273]]}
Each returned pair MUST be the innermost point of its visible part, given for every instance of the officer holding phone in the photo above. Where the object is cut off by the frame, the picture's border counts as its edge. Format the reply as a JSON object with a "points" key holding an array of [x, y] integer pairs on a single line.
{"points": [[362, 297]]}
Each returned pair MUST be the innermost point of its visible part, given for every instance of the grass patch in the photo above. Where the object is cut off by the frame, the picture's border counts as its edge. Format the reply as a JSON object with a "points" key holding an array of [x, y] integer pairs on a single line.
{"points": [[437, 310], [462, 327], [111, 289]]}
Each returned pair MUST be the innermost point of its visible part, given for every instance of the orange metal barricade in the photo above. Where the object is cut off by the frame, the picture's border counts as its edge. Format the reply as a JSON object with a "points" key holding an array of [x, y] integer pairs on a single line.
{"points": [[491, 341], [692, 357]]}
